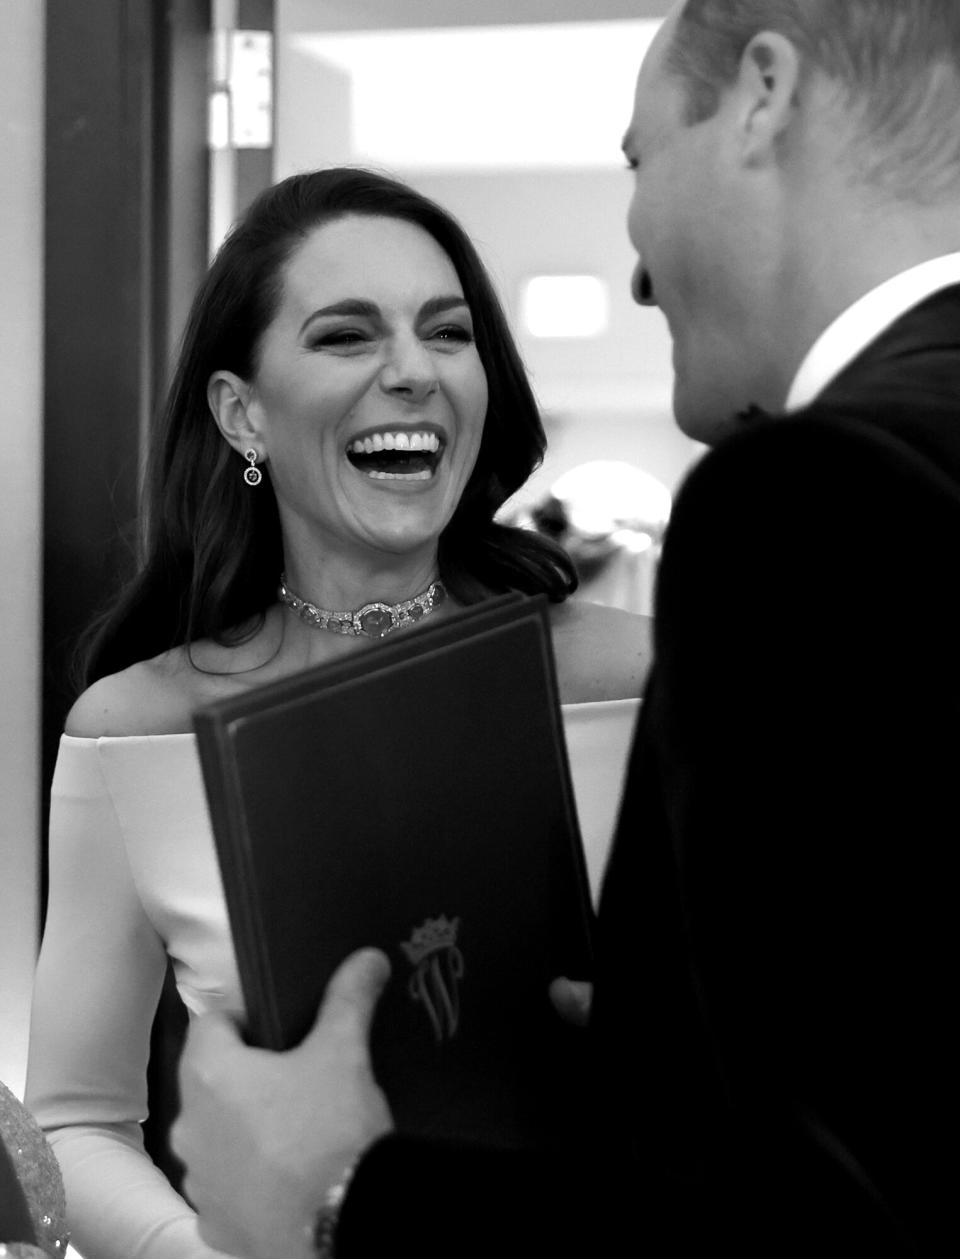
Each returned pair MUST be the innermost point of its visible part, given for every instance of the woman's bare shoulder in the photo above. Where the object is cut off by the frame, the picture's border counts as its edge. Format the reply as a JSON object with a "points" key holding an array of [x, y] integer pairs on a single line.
{"points": [[155, 696], [602, 653]]}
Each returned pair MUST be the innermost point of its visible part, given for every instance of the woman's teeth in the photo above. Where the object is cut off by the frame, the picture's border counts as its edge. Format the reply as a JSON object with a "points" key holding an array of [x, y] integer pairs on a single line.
{"points": [[396, 456], [394, 441]]}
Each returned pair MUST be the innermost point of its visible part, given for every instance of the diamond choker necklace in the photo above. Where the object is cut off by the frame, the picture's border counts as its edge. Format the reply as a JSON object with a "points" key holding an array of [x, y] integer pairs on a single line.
{"points": [[373, 620]]}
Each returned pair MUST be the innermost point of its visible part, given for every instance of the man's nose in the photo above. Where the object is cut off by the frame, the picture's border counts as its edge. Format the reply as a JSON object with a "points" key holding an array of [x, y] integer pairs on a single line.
{"points": [[641, 286], [409, 369]]}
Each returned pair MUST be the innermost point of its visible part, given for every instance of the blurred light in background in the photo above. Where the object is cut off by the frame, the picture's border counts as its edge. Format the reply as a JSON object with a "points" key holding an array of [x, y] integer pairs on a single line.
{"points": [[606, 497], [564, 306], [610, 517], [487, 97]]}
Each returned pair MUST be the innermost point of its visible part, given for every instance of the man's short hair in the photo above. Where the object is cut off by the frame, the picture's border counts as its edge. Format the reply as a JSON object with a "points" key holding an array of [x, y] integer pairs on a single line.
{"points": [[896, 62]]}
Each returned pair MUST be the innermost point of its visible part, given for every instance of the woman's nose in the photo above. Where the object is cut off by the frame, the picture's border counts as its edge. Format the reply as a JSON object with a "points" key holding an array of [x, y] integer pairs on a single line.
{"points": [[409, 369]]}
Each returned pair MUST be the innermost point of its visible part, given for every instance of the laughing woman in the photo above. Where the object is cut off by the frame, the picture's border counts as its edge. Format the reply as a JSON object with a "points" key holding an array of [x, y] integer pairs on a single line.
{"points": [[348, 414]]}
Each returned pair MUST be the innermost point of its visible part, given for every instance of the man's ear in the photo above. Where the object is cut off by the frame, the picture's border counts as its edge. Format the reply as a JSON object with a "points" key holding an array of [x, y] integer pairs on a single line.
{"points": [[230, 399], [767, 95]]}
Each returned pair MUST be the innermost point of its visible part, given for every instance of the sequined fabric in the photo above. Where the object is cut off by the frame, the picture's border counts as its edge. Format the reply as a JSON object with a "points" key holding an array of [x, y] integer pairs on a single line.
{"points": [[39, 1175]]}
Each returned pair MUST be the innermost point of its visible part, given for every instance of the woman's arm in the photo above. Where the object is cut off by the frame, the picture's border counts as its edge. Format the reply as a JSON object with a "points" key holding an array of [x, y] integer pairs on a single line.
{"points": [[601, 653], [98, 981]]}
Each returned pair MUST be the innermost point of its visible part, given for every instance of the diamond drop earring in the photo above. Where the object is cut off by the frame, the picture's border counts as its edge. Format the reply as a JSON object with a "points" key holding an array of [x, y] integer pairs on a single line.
{"points": [[252, 475]]}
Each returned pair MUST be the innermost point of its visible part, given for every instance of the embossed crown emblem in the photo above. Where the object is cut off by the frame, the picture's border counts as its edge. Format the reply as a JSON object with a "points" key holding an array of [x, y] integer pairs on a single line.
{"points": [[433, 935], [434, 983]]}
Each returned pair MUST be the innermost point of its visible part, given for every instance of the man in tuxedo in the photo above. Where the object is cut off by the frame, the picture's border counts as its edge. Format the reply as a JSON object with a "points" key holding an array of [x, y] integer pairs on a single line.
{"points": [[771, 1017]]}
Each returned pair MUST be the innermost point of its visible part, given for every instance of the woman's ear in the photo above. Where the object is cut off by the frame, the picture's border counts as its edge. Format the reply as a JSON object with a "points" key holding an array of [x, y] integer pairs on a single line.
{"points": [[229, 398]]}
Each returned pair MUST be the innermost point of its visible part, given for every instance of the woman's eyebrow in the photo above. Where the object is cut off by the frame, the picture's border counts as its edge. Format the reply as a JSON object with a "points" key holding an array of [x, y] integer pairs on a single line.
{"points": [[438, 305], [350, 306], [358, 308]]}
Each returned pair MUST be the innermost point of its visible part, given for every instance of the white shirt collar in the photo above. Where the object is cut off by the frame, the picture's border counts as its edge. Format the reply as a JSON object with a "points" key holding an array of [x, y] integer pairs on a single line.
{"points": [[861, 323]]}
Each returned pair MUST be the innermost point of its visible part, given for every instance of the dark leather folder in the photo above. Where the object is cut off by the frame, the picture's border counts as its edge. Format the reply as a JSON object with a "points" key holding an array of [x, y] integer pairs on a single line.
{"points": [[415, 796]]}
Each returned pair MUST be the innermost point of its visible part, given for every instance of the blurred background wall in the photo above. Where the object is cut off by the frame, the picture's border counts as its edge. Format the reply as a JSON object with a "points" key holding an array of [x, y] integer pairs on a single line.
{"points": [[21, 386]]}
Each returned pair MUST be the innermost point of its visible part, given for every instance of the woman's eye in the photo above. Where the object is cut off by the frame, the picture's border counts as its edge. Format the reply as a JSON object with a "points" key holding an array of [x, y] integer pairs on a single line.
{"points": [[453, 333], [342, 338]]}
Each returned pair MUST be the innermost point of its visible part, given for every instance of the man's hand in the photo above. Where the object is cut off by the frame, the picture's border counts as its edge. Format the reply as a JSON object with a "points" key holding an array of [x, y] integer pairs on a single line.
{"points": [[572, 999], [265, 1135]]}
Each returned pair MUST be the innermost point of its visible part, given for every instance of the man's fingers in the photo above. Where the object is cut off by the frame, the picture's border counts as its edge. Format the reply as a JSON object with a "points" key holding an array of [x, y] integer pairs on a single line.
{"points": [[352, 994], [572, 999]]}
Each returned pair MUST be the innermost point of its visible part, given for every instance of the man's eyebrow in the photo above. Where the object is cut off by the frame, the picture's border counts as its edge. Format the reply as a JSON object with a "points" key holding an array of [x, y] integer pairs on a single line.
{"points": [[360, 309]]}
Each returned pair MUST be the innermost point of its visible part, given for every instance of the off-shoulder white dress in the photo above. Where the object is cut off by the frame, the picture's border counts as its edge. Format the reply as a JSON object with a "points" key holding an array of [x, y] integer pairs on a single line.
{"points": [[134, 878]]}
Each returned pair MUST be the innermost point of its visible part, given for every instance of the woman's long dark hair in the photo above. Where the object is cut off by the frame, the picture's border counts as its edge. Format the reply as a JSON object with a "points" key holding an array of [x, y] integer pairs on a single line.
{"points": [[211, 551]]}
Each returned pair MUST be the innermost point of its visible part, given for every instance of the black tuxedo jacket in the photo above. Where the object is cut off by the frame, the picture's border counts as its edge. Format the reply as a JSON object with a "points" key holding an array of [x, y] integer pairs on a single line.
{"points": [[772, 1019]]}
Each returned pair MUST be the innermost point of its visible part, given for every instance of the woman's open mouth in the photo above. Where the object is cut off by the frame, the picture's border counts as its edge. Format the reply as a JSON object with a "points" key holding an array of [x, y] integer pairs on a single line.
{"points": [[395, 455]]}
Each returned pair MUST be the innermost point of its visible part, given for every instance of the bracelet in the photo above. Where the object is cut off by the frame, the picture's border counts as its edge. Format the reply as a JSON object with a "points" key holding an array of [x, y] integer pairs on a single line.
{"points": [[325, 1225]]}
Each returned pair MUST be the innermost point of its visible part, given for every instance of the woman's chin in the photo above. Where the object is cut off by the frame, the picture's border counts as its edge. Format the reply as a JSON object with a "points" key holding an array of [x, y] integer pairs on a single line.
{"points": [[407, 545], [404, 538], [402, 520]]}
